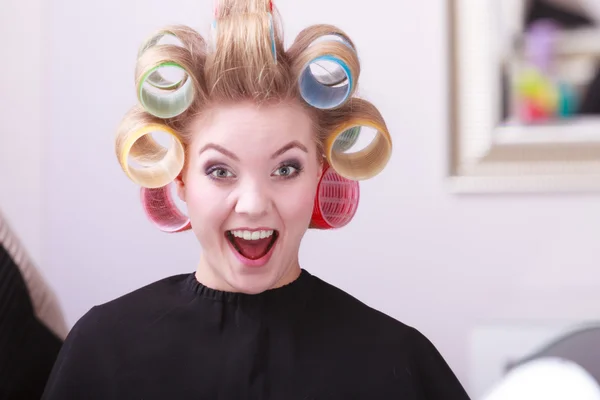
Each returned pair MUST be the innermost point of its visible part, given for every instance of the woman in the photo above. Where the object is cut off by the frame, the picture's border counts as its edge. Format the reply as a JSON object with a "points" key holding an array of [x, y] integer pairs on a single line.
{"points": [[260, 153]]}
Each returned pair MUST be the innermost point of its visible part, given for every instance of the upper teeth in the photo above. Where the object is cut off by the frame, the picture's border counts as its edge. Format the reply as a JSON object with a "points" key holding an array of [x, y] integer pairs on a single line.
{"points": [[247, 235]]}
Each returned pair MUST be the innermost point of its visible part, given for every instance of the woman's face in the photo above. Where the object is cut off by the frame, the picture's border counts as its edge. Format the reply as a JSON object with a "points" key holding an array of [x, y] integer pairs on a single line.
{"points": [[249, 186]]}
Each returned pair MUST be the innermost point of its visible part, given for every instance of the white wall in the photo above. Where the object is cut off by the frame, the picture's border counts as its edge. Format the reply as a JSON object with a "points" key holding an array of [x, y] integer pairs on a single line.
{"points": [[442, 263], [20, 120]]}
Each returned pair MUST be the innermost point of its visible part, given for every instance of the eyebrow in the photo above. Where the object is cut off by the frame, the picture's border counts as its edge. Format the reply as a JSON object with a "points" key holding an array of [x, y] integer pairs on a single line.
{"points": [[289, 146], [220, 149], [223, 150]]}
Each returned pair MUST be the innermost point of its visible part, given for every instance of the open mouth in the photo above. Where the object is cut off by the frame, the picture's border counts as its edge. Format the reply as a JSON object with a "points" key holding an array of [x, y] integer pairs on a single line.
{"points": [[252, 245]]}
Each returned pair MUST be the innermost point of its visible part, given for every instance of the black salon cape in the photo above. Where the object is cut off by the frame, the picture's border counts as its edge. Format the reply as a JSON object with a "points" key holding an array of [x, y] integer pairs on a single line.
{"points": [[178, 339]]}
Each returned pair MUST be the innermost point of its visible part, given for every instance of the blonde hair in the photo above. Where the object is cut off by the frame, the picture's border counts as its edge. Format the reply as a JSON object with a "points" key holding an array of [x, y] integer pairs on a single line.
{"points": [[244, 59]]}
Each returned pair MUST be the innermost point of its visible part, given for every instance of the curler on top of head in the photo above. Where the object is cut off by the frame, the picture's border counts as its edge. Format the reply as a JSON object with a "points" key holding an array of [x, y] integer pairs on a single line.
{"points": [[246, 45], [326, 65], [226, 8], [166, 79]]}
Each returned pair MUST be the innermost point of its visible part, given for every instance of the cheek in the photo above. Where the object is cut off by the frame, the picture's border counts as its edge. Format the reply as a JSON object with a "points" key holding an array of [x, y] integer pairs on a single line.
{"points": [[296, 206], [206, 206]]}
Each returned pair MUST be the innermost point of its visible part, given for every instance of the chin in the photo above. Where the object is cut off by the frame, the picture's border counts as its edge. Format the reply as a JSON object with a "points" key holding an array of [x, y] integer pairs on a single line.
{"points": [[252, 285], [252, 281]]}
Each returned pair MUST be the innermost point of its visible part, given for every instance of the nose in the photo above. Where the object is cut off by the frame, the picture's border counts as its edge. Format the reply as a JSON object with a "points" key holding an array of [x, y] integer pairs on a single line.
{"points": [[253, 201]]}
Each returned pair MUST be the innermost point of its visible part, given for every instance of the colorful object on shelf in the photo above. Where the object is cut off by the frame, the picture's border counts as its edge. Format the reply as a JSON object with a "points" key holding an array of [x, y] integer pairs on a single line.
{"points": [[567, 101], [538, 97], [540, 42], [541, 96]]}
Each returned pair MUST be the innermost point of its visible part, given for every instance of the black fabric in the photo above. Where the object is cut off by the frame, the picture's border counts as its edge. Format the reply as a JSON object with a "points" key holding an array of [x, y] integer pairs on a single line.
{"points": [[590, 104], [540, 10], [28, 349], [177, 339]]}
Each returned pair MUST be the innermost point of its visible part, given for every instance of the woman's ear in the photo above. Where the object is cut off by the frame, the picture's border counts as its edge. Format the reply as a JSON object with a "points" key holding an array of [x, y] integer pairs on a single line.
{"points": [[180, 186]]}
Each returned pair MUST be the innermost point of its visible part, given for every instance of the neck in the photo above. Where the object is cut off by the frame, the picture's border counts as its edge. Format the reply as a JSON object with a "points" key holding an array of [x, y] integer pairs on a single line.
{"points": [[224, 280]]}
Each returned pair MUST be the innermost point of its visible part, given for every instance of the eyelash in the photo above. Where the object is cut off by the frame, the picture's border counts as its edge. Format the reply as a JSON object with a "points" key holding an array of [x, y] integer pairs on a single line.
{"points": [[288, 164], [215, 168], [291, 164]]}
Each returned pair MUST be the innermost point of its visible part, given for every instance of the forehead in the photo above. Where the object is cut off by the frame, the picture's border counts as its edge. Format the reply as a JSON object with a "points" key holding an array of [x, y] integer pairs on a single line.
{"points": [[250, 127]]}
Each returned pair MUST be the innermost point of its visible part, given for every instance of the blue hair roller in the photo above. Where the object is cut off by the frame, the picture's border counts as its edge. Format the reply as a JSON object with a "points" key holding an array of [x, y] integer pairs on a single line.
{"points": [[273, 46], [320, 95]]}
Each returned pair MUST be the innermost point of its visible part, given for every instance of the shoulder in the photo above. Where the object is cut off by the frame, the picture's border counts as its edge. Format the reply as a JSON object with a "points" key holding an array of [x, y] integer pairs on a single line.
{"points": [[433, 376], [346, 308], [390, 341], [100, 340], [372, 329], [134, 310]]}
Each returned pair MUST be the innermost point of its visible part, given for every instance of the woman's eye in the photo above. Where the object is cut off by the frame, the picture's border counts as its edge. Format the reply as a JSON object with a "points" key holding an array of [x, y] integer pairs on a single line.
{"points": [[220, 173], [284, 171]]}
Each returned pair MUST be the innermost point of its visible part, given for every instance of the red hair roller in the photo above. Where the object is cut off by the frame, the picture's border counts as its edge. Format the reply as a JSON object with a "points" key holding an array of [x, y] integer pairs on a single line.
{"points": [[336, 201], [162, 211]]}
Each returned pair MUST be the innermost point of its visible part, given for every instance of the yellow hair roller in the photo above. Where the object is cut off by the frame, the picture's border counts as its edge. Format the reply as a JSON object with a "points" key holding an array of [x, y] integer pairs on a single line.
{"points": [[368, 161], [158, 165]]}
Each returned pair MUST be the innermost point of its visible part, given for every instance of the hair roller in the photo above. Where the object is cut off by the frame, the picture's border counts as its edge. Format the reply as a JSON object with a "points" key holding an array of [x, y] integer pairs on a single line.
{"points": [[184, 37], [226, 8], [238, 13], [359, 117], [336, 201], [347, 139], [162, 211], [313, 49], [161, 96], [157, 165], [245, 59], [315, 34]]}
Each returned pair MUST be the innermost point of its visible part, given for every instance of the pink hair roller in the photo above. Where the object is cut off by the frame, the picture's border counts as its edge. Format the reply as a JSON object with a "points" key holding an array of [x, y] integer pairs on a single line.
{"points": [[162, 211], [336, 201]]}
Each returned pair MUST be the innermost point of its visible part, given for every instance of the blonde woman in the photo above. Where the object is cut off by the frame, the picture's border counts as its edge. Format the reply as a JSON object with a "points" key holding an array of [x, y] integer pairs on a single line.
{"points": [[261, 151]]}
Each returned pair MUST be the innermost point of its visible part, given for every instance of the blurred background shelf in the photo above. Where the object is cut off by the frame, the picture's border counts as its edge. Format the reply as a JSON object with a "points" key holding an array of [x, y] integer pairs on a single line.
{"points": [[575, 130]]}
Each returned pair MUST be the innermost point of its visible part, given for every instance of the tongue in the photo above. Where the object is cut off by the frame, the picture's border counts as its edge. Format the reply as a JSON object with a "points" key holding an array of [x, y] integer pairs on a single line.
{"points": [[252, 249]]}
